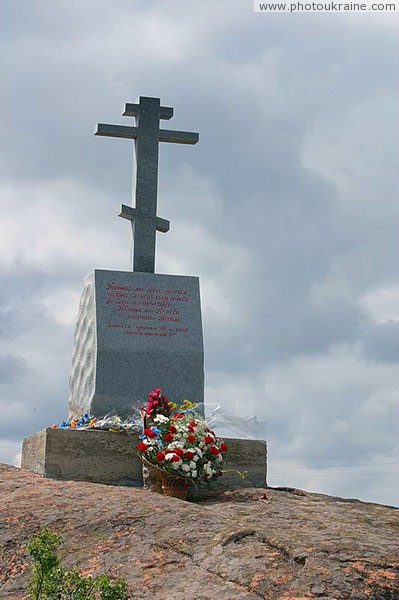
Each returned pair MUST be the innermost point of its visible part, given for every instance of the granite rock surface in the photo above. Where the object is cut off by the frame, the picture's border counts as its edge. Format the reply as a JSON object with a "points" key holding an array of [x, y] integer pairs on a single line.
{"points": [[253, 543]]}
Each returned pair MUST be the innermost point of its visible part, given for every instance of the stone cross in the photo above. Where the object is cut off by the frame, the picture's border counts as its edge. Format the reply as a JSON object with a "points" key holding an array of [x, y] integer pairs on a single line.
{"points": [[146, 135]]}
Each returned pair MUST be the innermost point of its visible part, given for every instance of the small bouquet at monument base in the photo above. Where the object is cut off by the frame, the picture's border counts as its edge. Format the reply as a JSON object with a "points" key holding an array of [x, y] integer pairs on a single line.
{"points": [[177, 445]]}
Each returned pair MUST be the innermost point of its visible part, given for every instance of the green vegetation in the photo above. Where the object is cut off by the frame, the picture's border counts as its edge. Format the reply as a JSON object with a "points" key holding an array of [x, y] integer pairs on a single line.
{"points": [[50, 581]]}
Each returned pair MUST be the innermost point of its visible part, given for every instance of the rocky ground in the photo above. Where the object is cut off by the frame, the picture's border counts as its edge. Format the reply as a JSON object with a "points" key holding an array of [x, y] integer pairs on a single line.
{"points": [[243, 544]]}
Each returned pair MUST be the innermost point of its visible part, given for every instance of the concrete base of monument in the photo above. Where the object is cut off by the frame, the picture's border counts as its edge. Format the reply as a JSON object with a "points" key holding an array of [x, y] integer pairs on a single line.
{"points": [[111, 458]]}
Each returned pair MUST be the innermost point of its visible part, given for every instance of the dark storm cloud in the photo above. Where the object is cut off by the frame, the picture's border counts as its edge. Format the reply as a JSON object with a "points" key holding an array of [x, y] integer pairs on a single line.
{"points": [[16, 301], [20, 298], [12, 368], [12, 322]]}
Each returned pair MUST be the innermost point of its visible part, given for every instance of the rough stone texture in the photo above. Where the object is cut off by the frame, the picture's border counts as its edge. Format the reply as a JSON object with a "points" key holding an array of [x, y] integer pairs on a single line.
{"points": [[84, 359], [97, 456], [34, 452], [135, 332], [291, 545], [107, 457]]}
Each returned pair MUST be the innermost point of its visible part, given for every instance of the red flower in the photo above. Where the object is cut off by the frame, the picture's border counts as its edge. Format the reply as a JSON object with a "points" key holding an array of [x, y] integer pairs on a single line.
{"points": [[142, 447], [177, 415], [192, 423], [175, 458], [160, 456], [208, 439], [172, 429], [179, 452], [149, 433], [189, 455], [191, 428], [214, 450], [190, 438], [223, 447], [168, 437], [157, 403]]}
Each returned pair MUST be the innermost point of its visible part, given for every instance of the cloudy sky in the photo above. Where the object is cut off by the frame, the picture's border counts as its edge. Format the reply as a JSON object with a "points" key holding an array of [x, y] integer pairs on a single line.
{"points": [[287, 209]]}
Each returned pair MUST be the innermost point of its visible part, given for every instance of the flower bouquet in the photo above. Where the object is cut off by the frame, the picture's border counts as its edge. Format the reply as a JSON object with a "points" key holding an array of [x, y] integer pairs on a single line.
{"points": [[178, 445]]}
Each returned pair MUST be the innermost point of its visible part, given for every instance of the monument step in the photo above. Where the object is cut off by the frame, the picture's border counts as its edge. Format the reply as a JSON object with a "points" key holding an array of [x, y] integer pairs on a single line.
{"points": [[111, 458]]}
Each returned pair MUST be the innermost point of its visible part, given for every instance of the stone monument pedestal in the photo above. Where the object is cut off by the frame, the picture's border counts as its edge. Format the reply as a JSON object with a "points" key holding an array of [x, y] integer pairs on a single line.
{"points": [[136, 332], [111, 458]]}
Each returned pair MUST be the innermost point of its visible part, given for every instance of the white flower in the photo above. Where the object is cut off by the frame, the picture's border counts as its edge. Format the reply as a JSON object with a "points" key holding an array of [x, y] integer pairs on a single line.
{"points": [[208, 469], [160, 419], [192, 465], [185, 468], [193, 474]]}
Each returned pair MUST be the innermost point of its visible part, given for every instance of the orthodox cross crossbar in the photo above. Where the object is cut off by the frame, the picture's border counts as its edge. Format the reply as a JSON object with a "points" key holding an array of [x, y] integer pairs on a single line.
{"points": [[146, 135]]}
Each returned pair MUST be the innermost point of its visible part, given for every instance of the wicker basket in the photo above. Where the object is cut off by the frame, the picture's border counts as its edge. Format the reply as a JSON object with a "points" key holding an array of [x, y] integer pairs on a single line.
{"points": [[171, 485]]}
